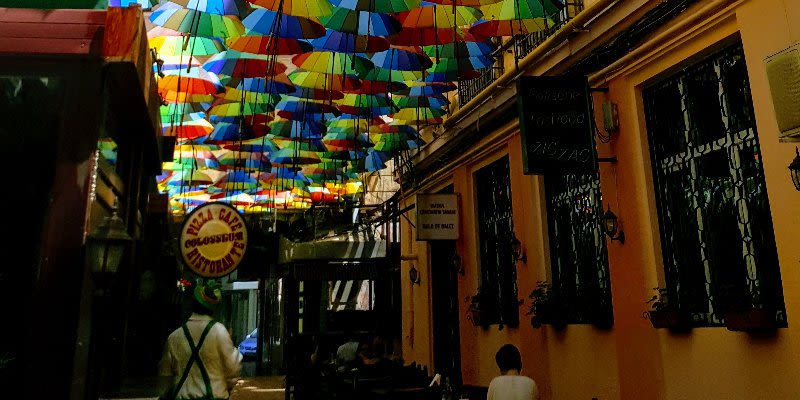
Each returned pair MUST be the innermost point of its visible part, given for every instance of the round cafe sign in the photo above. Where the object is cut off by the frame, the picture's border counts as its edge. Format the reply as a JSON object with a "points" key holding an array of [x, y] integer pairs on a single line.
{"points": [[213, 240]]}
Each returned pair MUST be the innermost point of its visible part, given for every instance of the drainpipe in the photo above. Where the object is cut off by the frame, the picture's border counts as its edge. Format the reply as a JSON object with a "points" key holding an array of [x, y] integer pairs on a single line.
{"points": [[574, 25]]}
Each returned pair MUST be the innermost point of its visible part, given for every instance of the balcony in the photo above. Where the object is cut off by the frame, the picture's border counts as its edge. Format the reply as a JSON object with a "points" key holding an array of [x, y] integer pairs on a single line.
{"points": [[523, 45]]}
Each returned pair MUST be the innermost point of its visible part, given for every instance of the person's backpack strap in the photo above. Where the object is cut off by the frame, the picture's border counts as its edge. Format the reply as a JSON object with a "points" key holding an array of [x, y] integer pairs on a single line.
{"points": [[195, 358]]}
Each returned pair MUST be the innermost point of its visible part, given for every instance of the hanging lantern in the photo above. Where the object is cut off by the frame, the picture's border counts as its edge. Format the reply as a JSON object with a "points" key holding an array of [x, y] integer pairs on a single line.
{"points": [[106, 245]]}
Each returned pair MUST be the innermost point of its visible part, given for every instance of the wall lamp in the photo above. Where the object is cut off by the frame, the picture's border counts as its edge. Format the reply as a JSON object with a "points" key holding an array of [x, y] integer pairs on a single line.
{"points": [[516, 250], [794, 169], [611, 226], [413, 275], [106, 245]]}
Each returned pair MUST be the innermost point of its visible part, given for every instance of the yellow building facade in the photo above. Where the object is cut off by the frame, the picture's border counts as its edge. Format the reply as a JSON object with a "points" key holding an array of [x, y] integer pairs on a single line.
{"points": [[631, 359]]}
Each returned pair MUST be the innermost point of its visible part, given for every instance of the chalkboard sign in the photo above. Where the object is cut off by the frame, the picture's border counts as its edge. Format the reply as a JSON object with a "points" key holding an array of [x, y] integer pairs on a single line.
{"points": [[556, 123]]}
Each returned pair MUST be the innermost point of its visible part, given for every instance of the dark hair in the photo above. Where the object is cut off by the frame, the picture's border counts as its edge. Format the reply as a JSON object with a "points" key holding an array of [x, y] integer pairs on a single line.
{"points": [[199, 308], [508, 358]]}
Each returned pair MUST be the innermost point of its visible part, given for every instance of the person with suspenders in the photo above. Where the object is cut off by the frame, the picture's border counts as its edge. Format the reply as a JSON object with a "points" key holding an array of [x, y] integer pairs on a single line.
{"points": [[200, 355]]}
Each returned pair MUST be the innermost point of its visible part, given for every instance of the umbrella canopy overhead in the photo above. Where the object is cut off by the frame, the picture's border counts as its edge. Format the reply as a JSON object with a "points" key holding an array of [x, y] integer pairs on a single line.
{"points": [[288, 101]]}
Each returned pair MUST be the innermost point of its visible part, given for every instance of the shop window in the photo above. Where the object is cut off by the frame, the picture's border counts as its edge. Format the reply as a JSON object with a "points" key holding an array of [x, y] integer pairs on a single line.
{"points": [[498, 284], [578, 258], [717, 238]]}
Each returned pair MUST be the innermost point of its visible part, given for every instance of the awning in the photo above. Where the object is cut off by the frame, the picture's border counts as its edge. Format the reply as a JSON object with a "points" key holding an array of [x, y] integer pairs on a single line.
{"points": [[353, 247]]}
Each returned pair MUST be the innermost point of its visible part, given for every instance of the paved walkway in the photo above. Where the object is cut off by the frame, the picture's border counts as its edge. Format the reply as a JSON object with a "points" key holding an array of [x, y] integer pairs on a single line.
{"points": [[260, 387]]}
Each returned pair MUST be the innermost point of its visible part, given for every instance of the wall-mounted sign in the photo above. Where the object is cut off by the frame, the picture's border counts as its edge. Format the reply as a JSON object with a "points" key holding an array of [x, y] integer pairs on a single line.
{"points": [[556, 124], [213, 240], [437, 217]]}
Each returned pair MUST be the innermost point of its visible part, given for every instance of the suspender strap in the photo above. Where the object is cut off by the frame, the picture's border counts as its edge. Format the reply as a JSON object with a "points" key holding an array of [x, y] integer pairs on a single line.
{"points": [[195, 358]]}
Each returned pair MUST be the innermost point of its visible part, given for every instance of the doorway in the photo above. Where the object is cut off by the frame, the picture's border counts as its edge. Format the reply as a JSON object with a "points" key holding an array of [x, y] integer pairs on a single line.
{"points": [[444, 288]]}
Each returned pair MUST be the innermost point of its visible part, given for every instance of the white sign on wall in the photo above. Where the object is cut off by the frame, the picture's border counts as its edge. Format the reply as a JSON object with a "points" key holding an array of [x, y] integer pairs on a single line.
{"points": [[437, 217]]}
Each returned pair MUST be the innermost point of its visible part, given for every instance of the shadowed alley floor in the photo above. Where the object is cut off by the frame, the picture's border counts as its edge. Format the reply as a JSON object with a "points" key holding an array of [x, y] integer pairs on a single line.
{"points": [[260, 387]]}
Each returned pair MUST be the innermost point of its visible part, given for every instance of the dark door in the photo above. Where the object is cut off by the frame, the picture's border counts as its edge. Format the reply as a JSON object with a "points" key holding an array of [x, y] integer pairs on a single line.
{"points": [[446, 343]]}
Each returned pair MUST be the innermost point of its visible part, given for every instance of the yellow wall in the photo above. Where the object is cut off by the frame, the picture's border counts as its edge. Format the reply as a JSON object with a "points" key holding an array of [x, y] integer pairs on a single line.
{"points": [[632, 360]]}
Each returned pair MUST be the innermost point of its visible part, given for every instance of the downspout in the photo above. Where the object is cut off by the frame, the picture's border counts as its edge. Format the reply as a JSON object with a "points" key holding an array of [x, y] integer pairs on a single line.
{"points": [[574, 25]]}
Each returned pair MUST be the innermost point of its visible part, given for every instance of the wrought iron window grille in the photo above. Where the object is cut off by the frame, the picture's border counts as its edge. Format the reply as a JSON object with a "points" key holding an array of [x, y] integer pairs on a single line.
{"points": [[578, 257], [469, 88], [496, 229], [717, 238]]}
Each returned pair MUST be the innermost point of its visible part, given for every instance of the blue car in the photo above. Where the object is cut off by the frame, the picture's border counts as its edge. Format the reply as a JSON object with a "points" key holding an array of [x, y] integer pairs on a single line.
{"points": [[248, 346]]}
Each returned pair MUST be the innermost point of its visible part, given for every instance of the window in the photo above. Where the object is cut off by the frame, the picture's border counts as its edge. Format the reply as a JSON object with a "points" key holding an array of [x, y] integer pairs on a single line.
{"points": [[498, 287], [578, 257], [716, 229]]}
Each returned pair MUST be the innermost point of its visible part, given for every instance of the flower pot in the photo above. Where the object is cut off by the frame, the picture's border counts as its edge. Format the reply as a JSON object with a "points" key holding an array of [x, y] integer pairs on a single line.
{"points": [[675, 320], [752, 319]]}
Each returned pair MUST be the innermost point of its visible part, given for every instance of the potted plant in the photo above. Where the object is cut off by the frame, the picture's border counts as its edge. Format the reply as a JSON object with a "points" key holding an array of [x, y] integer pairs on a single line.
{"points": [[544, 309], [663, 315], [476, 309]]}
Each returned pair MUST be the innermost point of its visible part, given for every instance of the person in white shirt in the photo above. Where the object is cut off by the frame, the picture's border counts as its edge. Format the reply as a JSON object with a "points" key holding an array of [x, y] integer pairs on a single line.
{"points": [[200, 356], [510, 385]]}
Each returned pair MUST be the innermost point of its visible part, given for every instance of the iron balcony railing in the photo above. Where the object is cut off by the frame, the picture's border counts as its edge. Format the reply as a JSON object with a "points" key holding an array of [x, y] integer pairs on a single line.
{"points": [[468, 89], [523, 45]]}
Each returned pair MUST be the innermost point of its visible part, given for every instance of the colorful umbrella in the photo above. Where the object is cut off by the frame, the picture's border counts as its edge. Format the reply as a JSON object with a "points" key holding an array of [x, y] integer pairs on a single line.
{"points": [[303, 107], [277, 84], [435, 101], [220, 7], [300, 8], [267, 22], [383, 6], [258, 145], [349, 43], [379, 74], [427, 89], [243, 65], [433, 16], [292, 156], [471, 48], [404, 60], [418, 114], [196, 81], [236, 180], [185, 45], [425, 36], [377, 87], [509, 10], [361, 22], [316, 80], [315, 94], [329, 62], [197, 23], [188, 129], [268, 45], [236, 95], [295, 129], [237, 109]]}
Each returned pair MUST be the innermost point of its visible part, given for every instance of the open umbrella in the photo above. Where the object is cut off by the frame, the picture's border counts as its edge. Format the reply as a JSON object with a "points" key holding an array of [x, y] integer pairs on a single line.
{"points": [[197, 23], [267, 22], [220, 7], [349, 43], [300, 8], [268, 45], [329, 62], [243, 65], [196, 81], [259, 145], [383, 6], [185, 45], [316, 80], [437, 16], [361, 22], [404, 60]]}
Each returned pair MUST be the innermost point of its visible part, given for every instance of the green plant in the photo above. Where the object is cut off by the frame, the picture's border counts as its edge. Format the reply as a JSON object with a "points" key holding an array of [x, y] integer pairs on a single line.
{"points": [[659, 301], [476, 307], [543, 307]]}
